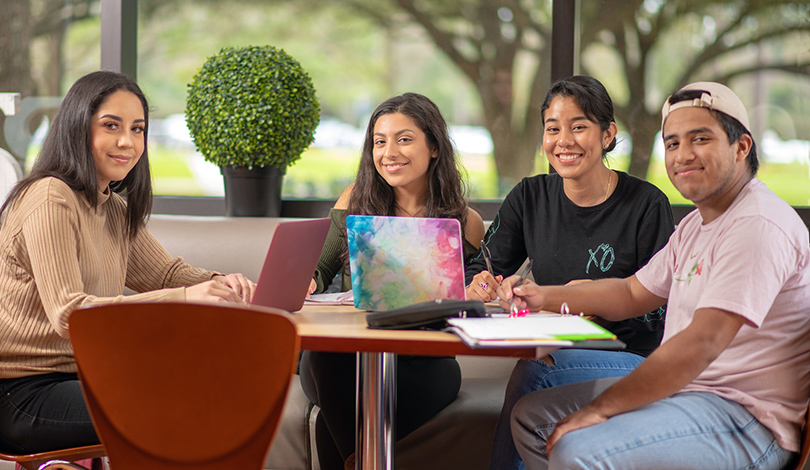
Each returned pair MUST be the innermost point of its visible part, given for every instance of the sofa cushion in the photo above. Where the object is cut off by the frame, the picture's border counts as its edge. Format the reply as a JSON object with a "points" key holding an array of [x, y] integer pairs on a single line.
{"points": [[289, 450], [461, 435], [223, 244]]}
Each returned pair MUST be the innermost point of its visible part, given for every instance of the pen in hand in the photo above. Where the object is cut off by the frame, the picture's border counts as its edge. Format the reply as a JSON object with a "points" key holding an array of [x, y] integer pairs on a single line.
{"points": [[487, 258], [513, 310]]}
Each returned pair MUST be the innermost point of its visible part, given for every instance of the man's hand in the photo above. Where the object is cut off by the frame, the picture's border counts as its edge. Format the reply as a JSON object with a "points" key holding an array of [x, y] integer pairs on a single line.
{"points": [[666, 371], [612, 299], [578, 420], [527, 295]]}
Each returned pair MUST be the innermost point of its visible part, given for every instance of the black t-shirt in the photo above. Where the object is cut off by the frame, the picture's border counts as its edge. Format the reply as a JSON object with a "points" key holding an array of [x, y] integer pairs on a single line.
{"points": [[567, 242]]}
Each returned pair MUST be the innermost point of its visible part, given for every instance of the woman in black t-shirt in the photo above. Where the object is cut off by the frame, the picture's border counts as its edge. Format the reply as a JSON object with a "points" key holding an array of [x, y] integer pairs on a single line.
{"points": [[584, 222]]}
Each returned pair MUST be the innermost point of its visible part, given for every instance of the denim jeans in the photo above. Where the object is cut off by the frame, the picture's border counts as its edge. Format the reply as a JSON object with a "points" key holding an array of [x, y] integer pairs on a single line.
{"points": [[43, 412], [694, 430], [570, 366]]}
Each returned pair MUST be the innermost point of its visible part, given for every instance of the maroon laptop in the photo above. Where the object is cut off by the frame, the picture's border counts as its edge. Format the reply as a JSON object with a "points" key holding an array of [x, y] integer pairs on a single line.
{"points": [[290, 264]]}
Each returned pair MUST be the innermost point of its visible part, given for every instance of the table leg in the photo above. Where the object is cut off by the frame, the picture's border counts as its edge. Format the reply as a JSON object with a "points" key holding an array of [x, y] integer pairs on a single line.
{"points": [[376, 408]]}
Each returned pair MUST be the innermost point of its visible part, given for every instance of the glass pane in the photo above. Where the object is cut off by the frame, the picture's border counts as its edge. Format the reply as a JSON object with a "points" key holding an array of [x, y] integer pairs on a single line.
{"points": [[657, 48], [355, 63], [47, 45], [483, 63]]}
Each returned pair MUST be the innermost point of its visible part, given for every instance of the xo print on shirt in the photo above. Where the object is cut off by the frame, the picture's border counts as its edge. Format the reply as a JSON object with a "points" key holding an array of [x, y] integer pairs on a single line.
{"points": [[655, 315], [602, 258]]}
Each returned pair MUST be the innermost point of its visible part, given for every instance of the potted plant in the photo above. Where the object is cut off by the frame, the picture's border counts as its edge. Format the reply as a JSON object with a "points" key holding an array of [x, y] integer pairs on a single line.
{"points": [[252, 111]]}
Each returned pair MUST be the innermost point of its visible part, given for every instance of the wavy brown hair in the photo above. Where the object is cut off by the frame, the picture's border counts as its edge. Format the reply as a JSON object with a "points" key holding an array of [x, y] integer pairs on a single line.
{"points": [[67, 152], [372, 195]]}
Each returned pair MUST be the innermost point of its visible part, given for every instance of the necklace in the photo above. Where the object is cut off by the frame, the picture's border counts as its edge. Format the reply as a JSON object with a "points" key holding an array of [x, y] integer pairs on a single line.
{"points": [[607, 188], [422, 210]]}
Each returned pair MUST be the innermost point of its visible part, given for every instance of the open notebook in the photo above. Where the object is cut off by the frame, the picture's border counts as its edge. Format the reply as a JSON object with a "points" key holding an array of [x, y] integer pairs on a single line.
{"points": [[399, 261], [537, 329]]}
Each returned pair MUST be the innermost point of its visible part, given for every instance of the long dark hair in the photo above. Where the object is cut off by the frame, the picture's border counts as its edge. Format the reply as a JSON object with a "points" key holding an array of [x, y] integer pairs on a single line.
{"points": [[67, 153], [372, 195], [592, 97]]}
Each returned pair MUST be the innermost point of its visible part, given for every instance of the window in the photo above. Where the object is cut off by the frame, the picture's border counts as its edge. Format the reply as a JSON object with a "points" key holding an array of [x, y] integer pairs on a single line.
{"points": [[486, 65]]}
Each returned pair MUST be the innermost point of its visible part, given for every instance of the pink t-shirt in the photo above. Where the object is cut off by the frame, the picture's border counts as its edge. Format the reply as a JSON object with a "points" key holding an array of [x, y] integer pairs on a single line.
{"points": [[754, 261]]}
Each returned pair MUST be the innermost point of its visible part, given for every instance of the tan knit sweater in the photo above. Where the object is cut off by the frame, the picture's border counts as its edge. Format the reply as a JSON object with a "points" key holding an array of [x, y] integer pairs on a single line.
{"points": [[57, 254]]}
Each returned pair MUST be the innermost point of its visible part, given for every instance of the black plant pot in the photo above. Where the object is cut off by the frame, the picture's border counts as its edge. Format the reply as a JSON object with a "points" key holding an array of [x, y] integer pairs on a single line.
{"points": [[253, 192]]}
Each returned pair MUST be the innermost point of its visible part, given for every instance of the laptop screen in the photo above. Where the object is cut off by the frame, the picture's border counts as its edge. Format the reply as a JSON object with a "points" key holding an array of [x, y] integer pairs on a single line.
{"points": [[290, 263], [399, 261]]}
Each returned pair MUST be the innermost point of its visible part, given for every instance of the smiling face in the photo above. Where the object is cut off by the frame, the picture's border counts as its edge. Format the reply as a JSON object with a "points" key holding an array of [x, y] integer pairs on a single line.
{"points": [[117, 136], [401, 152], [700, 162], [573, 143]]}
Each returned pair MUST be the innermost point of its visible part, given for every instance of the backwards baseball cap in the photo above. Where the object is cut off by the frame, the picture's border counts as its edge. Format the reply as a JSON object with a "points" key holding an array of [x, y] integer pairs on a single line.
{"points": [[715, 96]]}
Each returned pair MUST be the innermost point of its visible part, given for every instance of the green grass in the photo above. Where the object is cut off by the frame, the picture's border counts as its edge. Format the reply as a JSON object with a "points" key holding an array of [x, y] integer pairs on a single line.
{"points": [[324, 173], [321, 173], [790, 181], [171, 173], [657, 175], [169, 164]]}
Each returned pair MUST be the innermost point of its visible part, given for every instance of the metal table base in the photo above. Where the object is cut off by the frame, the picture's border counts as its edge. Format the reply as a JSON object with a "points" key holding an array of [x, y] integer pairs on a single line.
{"points": [[375, 410]]}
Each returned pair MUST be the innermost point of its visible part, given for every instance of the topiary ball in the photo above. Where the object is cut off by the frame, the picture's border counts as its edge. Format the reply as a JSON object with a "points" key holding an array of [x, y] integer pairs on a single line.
{"points": [[252, 107]]}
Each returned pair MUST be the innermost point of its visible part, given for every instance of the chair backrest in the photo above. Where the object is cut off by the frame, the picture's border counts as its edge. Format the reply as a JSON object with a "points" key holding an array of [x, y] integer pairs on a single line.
{"points": [[181, 385]]}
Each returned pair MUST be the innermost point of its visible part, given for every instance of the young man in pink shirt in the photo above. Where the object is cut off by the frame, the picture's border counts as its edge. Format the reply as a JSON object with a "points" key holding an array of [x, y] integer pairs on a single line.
{"points": [[729, 385]]}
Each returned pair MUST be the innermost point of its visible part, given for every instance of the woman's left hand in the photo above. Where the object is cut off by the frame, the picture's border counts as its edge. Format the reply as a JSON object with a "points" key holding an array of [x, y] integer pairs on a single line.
{"points": [[312, 287], [483, 287], [244, 287]]}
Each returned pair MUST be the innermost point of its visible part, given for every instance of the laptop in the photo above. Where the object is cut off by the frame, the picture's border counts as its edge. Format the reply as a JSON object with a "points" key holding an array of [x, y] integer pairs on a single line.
{"points": [[290, 264], [399, 261]]}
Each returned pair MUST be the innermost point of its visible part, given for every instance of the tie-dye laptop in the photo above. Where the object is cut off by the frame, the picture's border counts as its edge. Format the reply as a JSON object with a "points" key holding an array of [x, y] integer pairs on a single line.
{"points": [[399, 261]]}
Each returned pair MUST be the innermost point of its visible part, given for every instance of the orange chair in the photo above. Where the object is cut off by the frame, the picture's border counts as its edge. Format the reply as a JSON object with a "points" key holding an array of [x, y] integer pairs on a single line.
{"points": [[182, 386], [33, 461]]}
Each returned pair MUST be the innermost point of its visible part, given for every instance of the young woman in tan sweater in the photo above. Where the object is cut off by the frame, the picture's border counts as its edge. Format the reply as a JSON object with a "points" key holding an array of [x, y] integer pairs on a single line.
{"points": [[68, 240]]}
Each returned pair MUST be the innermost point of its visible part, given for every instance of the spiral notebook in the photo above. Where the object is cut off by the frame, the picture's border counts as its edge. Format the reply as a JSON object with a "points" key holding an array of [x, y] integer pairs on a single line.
{"points": [[537, 329], [400, 261]]}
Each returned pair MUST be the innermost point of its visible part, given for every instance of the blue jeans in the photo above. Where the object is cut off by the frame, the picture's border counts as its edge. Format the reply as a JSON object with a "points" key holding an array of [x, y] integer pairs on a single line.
{"points": [[694, 430], [570, 366]]}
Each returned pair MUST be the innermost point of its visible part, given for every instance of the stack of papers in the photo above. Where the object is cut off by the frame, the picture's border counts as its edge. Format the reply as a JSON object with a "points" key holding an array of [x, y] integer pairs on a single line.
{"points": [[532, 330], [338, 298]]}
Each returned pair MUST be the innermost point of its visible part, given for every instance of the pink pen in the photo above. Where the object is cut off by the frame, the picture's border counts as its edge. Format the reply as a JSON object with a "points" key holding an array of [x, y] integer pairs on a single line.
{"points": [[521, 313], [513, 310]]}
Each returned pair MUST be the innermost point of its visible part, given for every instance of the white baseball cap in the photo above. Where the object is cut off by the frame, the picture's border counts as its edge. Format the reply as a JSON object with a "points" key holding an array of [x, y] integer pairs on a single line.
{"points": [[715, 96]]}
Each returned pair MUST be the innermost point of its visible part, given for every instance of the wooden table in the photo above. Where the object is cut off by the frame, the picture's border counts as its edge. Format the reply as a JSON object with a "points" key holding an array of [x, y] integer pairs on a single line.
{"points": [[343, 329]]}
